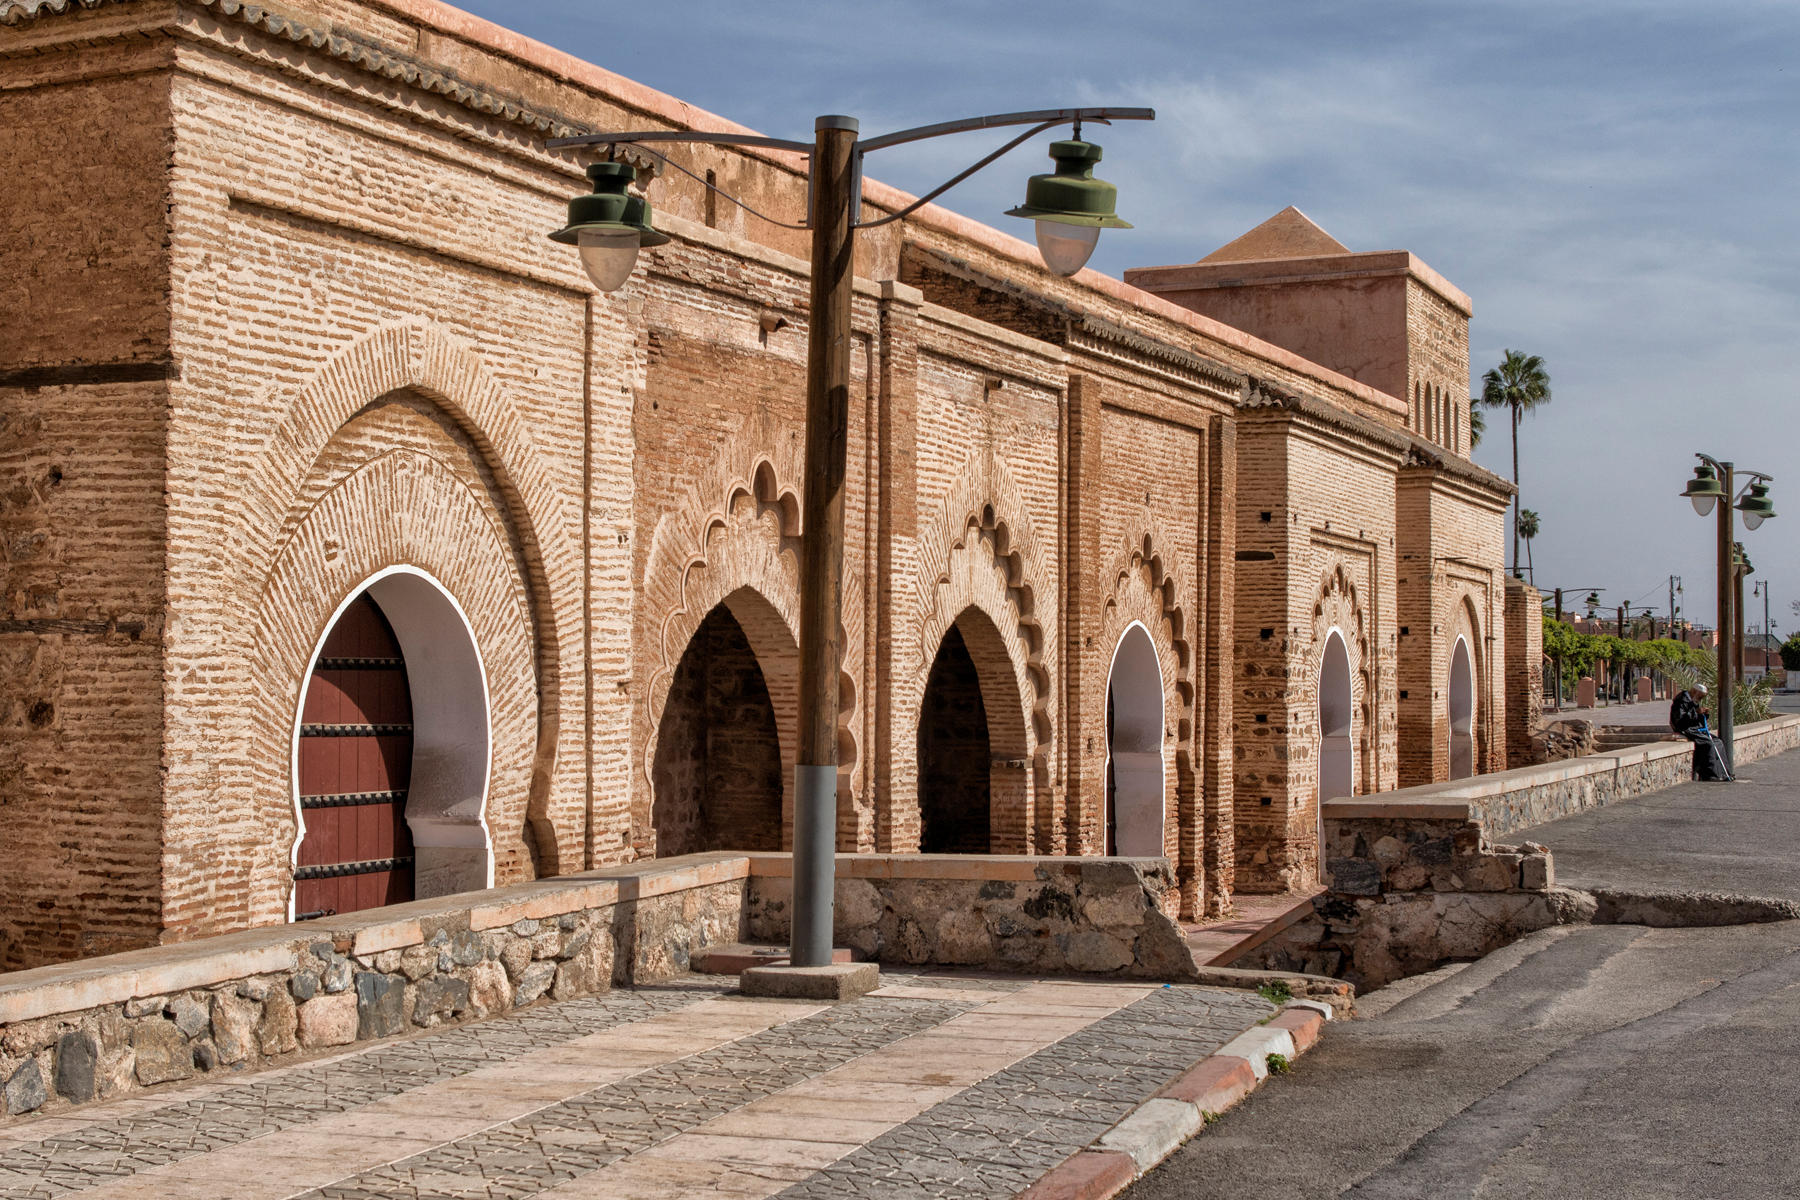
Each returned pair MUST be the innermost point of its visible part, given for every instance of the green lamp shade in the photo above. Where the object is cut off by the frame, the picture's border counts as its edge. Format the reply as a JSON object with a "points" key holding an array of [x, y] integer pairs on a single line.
{"points": [[1704, 489], [1756, 505], [609, 225], [1070, 207]]}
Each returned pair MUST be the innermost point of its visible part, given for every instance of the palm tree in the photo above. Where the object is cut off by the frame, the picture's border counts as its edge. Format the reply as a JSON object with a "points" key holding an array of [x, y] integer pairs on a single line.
{"points": [[1477, 427], [1528, 529], [1520, 383]]}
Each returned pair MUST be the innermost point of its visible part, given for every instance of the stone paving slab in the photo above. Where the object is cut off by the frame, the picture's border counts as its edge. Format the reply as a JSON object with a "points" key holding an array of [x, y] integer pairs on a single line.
{"points": [[936, 1084]]}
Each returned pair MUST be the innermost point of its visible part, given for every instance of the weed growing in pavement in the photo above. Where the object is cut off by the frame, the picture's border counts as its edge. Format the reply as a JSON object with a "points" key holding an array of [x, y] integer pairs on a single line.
{"points": [[1278, 1064], [1208, 1118], [1277, 993]]}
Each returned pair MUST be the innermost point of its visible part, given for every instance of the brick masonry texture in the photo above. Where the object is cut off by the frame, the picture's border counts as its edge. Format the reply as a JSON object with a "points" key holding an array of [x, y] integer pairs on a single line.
{"points": [[300, 326]]}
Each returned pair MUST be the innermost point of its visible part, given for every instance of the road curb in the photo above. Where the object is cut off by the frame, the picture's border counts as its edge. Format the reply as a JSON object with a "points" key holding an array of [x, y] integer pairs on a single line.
{"points": [[1160, 1125]]}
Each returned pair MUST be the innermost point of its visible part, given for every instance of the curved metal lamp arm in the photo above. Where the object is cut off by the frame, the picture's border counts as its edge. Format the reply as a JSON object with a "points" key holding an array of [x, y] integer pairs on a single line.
{"points": [[935, 192], [1044, 116]]}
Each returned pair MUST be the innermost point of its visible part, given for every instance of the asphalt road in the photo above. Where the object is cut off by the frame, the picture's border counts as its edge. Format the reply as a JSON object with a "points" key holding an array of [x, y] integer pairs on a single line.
{"points": [[1594, 1061]]}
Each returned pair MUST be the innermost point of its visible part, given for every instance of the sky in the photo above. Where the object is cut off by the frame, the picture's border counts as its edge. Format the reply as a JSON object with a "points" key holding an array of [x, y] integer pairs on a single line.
{"points": [[1616, 184]]}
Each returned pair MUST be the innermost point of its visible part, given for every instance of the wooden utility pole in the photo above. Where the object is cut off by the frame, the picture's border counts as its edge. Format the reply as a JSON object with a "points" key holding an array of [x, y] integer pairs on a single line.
{"points": [[835, 167]]}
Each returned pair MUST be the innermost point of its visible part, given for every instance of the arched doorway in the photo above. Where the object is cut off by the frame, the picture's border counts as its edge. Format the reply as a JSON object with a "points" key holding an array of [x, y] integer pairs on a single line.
{"points": [[1462, 712], [1134, 745], [955, 799], [1337, 754], [391, 753], [717, 779]]}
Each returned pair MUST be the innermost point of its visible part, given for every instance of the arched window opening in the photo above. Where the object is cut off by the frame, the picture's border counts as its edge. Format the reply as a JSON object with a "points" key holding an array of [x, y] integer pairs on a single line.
{"points": [[1134, 748], [1337, 756], [1462, 712], [716, 783], [955, 757]]}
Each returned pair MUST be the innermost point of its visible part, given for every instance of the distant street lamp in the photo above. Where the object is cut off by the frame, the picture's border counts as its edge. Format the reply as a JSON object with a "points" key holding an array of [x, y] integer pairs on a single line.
{"points": [[609, 226], [1714, 481]]}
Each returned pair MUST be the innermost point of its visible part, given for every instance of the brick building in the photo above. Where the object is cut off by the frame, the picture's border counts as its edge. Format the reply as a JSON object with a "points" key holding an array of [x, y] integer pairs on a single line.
{"points": [[357, 549]]}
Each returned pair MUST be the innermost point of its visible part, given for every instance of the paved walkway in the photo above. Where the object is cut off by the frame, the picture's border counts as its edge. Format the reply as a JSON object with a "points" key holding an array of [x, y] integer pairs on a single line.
{"points": [[938, 1084], [1736, 838], [1580, 1063]]}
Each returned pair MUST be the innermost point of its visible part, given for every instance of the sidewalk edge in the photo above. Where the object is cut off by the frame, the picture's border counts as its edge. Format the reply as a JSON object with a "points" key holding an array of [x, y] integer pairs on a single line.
{"points": [[1162, 1124]]}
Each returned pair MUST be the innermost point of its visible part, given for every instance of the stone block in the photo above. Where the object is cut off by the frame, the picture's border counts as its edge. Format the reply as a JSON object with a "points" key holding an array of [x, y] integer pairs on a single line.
{"points": [[77, 1063], [587, 971], [490, 991], [1537, 873], [1303, 1025], [329, 1020], [533, 982], [25, 1091], [436, 999], [467, 948], [234, 1022], [336, 976], [304, 985], [277, 1032], [160, 1051], [191, 1016], [380, 1004], [515, 957], [836, 981]]}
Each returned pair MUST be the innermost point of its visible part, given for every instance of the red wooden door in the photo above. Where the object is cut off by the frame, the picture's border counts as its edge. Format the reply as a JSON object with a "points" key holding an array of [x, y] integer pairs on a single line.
{"points": [[355, 760]]}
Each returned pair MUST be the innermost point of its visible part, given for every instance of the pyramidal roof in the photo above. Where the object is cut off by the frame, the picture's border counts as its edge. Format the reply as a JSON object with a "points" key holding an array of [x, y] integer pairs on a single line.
{"points": [[1290, 233]]}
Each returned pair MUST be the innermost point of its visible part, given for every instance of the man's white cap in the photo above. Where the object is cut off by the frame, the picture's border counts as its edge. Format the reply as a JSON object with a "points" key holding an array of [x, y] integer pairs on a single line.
{"points": [[1700, 688]]}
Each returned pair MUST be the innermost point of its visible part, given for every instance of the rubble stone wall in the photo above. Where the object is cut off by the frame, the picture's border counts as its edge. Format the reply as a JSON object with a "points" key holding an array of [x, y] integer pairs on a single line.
{"points": [[109, 1026], [1416, 879], [1092, 916]]}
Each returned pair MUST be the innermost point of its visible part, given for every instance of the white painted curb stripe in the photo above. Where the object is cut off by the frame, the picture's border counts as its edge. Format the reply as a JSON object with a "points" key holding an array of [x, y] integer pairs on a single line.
{"points": [[1153, 1131], [1255, 1046], [1318, 1006]]}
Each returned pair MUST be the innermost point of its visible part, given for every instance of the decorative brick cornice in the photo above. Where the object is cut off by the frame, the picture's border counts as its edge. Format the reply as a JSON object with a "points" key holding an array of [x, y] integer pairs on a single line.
{"points": [[1426, 454], [1264, 395], [1071, 326], [366, 55]]}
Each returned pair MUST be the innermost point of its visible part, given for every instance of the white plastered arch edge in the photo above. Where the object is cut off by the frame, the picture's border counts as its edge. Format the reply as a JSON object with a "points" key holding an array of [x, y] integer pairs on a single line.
{"points": [[446, 796], [1134, 686], [1461, 699]]}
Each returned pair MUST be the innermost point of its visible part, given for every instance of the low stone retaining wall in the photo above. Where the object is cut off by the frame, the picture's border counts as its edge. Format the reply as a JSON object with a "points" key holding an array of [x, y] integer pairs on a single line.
{"points": [[1041, 915], [1416, 880], [107, 1026]]}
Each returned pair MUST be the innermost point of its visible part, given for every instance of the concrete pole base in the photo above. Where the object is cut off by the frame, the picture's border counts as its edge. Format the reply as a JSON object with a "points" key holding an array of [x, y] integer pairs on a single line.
{"points": [[835, 981]]}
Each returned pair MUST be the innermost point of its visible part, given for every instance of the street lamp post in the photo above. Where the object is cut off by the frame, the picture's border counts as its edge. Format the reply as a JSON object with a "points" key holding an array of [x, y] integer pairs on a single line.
{"points": [[1715, 480], [1069, 206]]}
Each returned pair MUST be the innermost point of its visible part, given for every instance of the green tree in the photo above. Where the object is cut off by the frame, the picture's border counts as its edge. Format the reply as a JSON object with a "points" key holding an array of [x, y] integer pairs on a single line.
{"points": [[1477, 427], [1528, 529], [1790, 653], [1519, 384]]}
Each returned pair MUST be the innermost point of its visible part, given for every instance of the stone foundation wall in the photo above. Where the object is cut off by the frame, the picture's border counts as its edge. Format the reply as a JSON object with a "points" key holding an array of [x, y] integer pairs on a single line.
{"points": [[1415, 879], [109, 1026], [1101, 916]]}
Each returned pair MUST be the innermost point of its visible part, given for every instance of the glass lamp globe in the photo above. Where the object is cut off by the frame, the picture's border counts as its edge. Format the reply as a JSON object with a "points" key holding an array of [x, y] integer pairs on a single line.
{"points": [[1066, 248], [608, 256], [1703, 504], [1752, 520]]}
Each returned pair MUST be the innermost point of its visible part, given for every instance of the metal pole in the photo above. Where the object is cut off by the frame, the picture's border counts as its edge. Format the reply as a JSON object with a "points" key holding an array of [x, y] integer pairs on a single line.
{"points": [[835, 166], [1737, 617], [1727, 574]]}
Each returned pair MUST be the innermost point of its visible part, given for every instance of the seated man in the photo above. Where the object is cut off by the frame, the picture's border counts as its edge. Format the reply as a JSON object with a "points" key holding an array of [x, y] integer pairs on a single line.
{"points": [[1687, 718]]}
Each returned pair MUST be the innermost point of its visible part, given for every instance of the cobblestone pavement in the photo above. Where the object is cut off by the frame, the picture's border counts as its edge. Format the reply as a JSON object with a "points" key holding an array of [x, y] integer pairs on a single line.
{"points": [[935, 1085]]}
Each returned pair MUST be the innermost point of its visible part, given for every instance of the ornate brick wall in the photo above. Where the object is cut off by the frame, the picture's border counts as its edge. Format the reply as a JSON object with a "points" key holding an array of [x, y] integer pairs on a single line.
{"points": [[319, 334]]}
